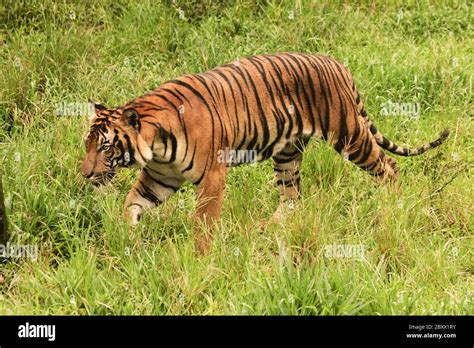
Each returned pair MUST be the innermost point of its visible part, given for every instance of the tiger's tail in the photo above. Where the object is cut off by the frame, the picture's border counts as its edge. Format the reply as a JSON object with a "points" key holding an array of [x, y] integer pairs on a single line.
{"points": [[389, 145], [405, 151]]}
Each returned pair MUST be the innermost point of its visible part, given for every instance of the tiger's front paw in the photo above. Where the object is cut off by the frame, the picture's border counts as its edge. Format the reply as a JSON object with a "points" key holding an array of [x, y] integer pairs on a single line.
{"points": [[132, 214]]}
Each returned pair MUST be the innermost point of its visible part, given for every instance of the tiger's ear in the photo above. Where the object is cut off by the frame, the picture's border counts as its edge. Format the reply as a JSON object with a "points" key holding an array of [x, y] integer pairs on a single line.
{"points": [[130, 117], [99, 107], [94, 109]]}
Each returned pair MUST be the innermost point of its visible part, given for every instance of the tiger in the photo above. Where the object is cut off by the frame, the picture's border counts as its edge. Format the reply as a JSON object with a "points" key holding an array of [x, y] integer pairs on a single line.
{"points": [[269, 105]]}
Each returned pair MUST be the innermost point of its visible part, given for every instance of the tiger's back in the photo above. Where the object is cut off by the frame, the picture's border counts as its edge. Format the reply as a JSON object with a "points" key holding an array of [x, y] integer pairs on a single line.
{"points": [[261, 104]]}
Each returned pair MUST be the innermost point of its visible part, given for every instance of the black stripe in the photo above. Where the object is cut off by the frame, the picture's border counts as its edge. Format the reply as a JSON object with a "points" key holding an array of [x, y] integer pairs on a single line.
{"points": [[159, 182], [148, 194]]}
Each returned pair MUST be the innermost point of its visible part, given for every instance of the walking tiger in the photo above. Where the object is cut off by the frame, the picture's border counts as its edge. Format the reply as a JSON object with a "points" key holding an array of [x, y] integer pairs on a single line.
{"points": [[271, 105]]}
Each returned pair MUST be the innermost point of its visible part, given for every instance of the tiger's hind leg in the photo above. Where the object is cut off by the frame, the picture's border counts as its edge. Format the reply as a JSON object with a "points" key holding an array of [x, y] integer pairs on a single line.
{"points": [[369, 156], [286, 165]]}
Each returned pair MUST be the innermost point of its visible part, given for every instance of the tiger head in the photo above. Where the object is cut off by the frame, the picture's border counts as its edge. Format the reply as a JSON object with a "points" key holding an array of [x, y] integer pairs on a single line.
{"points": [[113, 142]]}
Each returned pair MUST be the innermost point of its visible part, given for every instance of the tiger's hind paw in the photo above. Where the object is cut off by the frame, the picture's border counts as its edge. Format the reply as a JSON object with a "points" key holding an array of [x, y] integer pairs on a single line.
{"points": [[284, 210]]}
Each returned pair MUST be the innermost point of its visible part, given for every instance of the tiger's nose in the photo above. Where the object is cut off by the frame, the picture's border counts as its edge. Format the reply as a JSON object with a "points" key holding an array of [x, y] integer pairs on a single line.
{"points": [[86, 170], [87, 175]]}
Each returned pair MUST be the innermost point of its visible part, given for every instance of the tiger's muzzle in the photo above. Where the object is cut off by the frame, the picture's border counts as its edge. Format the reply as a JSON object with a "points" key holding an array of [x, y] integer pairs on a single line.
{"points": [[99, 179]]}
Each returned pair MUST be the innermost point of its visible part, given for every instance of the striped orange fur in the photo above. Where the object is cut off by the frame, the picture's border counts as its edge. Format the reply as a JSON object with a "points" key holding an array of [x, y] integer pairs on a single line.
{"points": [[271, 105]]}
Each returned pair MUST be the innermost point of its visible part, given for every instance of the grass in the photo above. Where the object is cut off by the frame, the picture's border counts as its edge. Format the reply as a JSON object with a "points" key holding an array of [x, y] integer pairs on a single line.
{"points": [[417, 238]]}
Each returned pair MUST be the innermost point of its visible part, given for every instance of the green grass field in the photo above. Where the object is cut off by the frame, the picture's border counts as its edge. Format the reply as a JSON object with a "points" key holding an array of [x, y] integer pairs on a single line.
{"points": [[415, 242]]}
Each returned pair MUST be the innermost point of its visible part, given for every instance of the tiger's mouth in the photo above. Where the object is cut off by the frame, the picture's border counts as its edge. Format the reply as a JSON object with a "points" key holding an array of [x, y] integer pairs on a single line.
{"points": [[100, 179]]}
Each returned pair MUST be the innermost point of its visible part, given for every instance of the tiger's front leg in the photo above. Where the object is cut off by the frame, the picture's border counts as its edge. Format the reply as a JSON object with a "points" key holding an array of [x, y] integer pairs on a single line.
{"points": [[210, 196], [150, 190]]}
